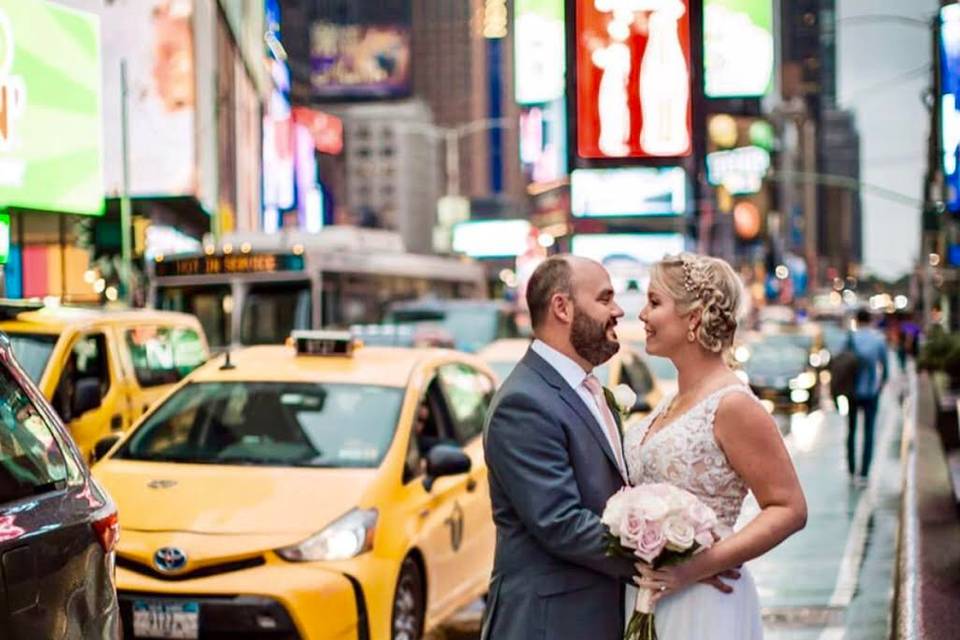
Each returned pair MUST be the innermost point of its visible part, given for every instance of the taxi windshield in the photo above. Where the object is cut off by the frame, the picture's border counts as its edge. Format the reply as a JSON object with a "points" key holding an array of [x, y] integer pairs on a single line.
{"points": [[32, 351], [270, 424]]}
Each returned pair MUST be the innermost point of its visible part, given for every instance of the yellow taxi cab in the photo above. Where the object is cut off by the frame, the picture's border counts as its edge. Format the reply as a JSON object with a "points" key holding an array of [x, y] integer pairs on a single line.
{"points": [[321, 491], [101, 369], [628, 366]]}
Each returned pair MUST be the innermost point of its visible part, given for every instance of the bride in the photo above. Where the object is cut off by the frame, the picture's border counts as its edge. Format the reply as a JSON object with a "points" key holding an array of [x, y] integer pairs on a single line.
{"points": [[714, 439]]}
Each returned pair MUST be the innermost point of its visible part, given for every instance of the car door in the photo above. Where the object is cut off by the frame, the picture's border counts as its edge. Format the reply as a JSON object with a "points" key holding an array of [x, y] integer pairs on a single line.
{"points": [[54, 580], [439, 513], [89, 370], [468, 392], [156, 357]]}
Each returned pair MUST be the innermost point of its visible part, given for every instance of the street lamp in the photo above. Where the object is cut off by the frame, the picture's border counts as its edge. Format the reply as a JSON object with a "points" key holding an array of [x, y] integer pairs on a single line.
{"points": [[451, 137]]}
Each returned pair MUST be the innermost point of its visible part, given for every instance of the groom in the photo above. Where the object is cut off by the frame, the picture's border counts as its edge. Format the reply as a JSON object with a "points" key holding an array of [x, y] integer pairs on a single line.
{"points": [[554, 456]]}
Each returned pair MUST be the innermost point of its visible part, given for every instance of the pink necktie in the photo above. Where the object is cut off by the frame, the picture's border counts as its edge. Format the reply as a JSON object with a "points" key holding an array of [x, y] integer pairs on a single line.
{"points": [[593, 386]]}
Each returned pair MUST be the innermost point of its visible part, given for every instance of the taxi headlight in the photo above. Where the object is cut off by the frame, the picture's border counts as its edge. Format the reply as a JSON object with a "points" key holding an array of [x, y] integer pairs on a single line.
{"points": [[806, 380], [347, 537]]}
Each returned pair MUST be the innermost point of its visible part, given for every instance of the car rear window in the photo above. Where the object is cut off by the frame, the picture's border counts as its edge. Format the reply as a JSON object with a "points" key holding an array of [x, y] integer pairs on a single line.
{"points": [[164, 355], [31, 460]]}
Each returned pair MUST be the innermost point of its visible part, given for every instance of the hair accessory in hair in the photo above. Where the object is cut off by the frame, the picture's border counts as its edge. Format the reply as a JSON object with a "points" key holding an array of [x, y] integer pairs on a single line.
{"points": [[689, 282]]}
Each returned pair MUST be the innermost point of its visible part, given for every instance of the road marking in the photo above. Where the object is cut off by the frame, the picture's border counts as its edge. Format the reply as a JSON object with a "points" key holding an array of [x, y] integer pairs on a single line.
{"points": [[849, 575]]}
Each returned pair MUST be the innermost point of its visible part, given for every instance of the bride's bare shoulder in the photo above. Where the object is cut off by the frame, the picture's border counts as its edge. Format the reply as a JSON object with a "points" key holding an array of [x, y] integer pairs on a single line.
{"points": [[741, 415]]}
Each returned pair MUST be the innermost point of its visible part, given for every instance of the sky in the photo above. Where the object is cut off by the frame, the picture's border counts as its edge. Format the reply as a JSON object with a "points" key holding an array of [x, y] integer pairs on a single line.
{"points": [[883, 70]]}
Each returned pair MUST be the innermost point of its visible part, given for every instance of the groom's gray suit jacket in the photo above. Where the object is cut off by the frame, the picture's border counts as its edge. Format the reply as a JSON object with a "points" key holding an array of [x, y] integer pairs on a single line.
{"points": [[551, 471]]}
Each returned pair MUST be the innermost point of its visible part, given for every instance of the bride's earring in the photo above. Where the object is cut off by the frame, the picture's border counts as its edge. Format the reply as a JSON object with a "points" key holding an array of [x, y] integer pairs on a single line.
{"points": [[690, 336]]}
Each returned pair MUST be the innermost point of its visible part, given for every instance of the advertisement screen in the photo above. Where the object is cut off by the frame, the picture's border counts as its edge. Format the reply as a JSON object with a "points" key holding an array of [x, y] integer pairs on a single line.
{"points": [[543, 142], [635, 191], [539, 49], [738, 54], [4, 237], [644, 248], [50, 108], [633, 79], [491, 238], [155, 38], [950, 101], [359, 61]]}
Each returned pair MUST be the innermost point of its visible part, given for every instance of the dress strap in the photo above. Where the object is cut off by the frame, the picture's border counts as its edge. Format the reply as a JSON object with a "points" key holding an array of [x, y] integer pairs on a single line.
{"points": [[713, 401]]}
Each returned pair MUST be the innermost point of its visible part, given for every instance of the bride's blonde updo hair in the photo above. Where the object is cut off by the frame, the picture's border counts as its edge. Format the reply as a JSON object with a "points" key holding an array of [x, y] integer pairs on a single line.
{"points": [[709, 284]]}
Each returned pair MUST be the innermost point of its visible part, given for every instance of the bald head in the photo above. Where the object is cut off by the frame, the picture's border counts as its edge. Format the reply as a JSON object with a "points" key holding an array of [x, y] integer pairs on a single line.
{"points": [[557, 274]]}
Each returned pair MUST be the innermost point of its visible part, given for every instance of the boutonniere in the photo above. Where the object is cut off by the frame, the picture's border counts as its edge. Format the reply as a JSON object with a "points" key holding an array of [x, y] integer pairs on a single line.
{"points": [[621, 400]]}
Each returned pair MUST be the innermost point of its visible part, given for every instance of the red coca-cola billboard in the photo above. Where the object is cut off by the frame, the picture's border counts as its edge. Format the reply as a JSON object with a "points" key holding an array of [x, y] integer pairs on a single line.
{"points": [[633, 79]]}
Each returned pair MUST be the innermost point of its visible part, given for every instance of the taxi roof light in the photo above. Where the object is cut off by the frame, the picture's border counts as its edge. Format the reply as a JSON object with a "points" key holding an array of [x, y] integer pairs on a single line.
{"points": [[324, 343]]}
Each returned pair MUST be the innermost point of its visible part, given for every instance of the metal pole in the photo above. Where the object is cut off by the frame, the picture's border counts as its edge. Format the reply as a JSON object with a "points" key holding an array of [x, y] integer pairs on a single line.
{"points": [[453, 162], [126, 223]]}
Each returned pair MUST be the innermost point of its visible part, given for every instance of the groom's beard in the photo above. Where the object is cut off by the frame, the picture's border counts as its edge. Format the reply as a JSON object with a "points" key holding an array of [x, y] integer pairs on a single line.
{"points": [[589, 338]]}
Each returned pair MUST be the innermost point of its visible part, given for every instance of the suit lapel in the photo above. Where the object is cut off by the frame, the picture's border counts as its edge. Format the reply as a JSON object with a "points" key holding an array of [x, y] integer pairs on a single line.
{"points": [[572, 400]]}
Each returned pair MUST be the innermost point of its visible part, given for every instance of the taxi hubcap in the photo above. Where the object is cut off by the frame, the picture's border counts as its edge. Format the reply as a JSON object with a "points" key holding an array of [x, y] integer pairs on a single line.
{"points": [[406, 610]]}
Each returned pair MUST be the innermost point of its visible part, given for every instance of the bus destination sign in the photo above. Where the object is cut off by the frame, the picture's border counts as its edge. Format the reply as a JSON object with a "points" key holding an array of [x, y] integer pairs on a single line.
{"points": [[225, 265]]}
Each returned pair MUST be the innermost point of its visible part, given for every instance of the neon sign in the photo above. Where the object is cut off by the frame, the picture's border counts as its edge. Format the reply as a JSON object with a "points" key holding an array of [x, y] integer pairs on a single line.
{"points": [[633, 78]]}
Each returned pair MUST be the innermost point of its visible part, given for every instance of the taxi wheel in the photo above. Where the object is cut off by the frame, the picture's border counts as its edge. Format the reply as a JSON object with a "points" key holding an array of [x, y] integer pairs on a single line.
{"points": [[408, 603]]}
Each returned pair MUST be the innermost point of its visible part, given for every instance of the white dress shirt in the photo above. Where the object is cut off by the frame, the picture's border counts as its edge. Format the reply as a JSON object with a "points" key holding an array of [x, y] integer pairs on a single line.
{"points": [[574, 375]]}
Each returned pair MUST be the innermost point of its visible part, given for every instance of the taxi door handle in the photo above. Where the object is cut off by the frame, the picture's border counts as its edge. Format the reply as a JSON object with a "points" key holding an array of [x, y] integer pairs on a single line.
{"points": [[116, 422], [471, 485]]}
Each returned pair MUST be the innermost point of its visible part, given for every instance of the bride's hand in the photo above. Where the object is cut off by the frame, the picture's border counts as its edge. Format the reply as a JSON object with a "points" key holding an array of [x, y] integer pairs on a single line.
{"points": [[668, 580]]}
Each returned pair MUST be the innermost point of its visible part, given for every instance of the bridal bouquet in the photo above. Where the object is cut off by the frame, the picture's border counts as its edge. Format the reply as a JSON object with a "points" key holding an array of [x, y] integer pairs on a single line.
{"points": [[661, 525]]}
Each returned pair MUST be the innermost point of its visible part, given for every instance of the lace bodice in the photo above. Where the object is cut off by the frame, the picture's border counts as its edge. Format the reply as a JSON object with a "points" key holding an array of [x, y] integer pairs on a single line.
{"points": [[685, 454]]}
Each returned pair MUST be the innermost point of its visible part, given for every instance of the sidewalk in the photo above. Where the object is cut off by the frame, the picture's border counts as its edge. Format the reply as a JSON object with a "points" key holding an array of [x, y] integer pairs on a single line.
{"points": [[834, 579]]}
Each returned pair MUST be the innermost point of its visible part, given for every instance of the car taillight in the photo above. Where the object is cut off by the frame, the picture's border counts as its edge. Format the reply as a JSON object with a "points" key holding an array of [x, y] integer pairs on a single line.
{"points": [[108, 531]]}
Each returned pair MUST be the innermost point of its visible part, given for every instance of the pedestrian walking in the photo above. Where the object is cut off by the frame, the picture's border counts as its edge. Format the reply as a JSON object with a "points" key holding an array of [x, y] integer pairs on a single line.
{"points": [[870, 348]]}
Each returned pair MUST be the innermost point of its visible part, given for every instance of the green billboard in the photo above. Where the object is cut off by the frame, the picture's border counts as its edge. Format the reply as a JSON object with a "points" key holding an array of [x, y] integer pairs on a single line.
{"points": [[738, 52], [51, 155], [4, 237]]}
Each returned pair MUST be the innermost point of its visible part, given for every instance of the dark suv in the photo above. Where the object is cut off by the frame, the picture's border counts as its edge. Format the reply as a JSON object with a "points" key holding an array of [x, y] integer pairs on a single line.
{"points": [[58, 528]]}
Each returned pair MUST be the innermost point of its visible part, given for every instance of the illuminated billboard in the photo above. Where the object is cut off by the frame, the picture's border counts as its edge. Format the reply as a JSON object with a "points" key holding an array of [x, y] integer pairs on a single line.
{"points": [[539, 50], [633, 79], [4, 237], [950, 101], [492, 238], [738, 56], [359, 60], [155, 38], [641, 248], [543, 142], [50, 108], [628, 191]]}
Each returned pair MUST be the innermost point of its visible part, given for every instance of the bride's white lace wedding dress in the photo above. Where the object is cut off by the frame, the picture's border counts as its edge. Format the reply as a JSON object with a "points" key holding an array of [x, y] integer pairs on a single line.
{"points": [[685, 453]]}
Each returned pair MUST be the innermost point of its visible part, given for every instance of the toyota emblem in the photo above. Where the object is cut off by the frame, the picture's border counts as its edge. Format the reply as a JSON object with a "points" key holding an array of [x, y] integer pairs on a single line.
{"points": [[169, 559]]}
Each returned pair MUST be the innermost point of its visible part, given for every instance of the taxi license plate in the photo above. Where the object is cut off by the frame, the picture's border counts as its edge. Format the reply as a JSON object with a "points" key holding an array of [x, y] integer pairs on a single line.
{"points": [[160, 619]]}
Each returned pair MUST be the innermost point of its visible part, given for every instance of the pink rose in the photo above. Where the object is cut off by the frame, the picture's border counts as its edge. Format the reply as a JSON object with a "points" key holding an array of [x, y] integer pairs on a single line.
{"points": [[704, 539], [631, 528], [701, 516], [651, 543], [651, 505]]}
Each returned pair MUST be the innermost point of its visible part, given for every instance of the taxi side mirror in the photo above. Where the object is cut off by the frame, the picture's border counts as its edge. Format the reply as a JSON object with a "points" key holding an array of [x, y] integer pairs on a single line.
{"points": [[103, 446], [445, 460], [641, 406], [86, 396]]}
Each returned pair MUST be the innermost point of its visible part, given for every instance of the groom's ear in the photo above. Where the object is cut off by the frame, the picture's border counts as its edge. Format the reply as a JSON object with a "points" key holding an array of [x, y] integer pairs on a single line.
{"points": [[561, 305]]}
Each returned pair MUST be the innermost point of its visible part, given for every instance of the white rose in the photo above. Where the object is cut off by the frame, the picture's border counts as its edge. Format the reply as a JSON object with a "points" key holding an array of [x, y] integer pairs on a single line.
{"points": [[625, 398], [679, 533], [613, 512], [650, 506]]}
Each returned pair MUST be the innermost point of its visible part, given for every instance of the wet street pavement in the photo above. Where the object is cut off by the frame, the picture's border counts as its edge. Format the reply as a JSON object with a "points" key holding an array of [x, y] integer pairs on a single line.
{"points": [[833, 580]]}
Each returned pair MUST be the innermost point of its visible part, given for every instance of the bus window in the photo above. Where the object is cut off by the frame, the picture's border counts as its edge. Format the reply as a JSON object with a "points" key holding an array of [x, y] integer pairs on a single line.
{"points": [[213, 306], [271, 312]]}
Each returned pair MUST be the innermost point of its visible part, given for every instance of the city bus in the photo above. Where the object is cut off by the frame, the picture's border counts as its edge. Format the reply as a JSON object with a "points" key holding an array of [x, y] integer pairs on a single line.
{"points": [[256, 288]]}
